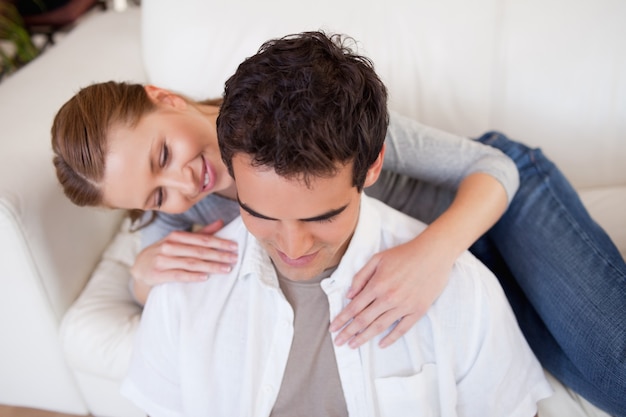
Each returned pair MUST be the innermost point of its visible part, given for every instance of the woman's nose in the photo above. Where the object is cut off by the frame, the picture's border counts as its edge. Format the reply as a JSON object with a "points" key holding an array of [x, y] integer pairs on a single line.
{"points": [[181, 180]]}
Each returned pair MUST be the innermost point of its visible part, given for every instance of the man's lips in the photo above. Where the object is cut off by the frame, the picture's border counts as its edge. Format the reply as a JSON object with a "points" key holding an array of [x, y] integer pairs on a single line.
{"points": [[298, 262]]}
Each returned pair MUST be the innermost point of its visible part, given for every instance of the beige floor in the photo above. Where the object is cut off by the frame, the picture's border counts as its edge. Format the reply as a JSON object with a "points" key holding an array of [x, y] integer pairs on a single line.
{"points": [[8, 411]]}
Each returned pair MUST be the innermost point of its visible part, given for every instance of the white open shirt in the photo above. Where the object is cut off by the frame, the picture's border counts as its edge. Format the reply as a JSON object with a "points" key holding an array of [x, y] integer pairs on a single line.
{"points": [[219, 347]]}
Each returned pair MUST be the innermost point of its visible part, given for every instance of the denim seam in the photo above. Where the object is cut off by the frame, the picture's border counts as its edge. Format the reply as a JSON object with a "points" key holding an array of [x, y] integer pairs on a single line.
{"points": [[569, 218]]}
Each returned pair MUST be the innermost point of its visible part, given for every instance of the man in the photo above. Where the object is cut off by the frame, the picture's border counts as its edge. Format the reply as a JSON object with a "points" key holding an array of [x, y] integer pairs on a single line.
{"points": [[302, 131]]}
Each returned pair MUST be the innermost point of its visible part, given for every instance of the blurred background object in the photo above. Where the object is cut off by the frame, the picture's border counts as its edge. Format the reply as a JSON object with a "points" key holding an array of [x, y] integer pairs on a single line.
{"points": [[17, 47]]}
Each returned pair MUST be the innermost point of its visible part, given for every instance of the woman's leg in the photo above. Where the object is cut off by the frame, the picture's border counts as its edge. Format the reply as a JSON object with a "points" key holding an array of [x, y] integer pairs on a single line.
{"points": [[569, 286]]}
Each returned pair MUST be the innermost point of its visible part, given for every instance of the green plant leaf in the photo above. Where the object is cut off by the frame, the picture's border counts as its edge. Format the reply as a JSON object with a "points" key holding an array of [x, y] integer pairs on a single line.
{"points": [[12, 30]]}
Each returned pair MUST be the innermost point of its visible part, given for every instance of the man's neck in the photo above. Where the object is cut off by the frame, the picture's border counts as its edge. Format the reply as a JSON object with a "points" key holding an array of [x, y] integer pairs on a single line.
{"points": [[313, 280]]}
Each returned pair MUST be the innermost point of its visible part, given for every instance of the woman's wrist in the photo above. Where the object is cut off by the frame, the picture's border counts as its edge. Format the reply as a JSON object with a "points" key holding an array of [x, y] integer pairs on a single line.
{"points": [[140, 291]]}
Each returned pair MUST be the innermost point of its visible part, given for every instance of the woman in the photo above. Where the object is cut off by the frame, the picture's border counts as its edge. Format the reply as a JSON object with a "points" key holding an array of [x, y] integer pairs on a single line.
{"points": [[148, 149]]}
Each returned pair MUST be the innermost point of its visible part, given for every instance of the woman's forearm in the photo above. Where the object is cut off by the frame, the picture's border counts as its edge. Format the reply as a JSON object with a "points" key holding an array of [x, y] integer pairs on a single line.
{"points": [[440, 158], [479, 203]]}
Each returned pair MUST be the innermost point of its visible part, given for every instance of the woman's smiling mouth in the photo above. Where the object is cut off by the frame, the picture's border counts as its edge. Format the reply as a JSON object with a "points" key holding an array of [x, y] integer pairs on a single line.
{"points": [[205, 176]]}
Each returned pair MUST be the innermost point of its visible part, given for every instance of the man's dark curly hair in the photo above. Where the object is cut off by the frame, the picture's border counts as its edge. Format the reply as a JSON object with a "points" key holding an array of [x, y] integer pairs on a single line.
{"points": [[304, 105]]}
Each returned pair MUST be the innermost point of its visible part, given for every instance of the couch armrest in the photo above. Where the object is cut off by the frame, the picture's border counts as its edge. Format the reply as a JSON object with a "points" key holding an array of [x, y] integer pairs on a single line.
{"points": [[48, 247]]}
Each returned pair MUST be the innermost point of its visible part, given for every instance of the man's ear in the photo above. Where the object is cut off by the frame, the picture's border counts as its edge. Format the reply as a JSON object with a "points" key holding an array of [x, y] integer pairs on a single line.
{"points": [[162, 96], [374, 171]]}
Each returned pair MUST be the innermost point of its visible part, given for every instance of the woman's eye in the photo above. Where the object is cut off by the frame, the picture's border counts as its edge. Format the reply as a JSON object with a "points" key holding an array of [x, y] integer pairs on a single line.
{"points": [[159, 198], [165, 153]]}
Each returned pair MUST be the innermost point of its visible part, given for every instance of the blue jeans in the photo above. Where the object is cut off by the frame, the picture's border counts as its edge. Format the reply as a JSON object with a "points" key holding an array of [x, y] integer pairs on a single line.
{"points": [[564, 278]]}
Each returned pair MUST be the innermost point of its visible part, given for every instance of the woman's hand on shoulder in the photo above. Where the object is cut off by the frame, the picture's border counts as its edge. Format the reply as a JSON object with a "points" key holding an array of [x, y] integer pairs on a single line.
{"points": [[183, 257], [396, 285], [401, 283]]}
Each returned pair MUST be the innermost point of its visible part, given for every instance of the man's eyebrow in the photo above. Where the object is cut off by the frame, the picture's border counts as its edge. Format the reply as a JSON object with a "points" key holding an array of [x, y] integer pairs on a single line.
{"points": [[325, 216], [252, 212]]}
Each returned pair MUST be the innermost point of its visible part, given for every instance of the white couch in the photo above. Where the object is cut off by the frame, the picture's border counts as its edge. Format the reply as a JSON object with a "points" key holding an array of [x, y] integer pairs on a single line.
{"points": [[549, 73]]}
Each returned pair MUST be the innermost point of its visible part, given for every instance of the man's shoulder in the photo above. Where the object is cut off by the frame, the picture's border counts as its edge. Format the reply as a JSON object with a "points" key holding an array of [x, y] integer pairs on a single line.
{"points": [[472, 279], [469, 280], [235, 230], [472, 302], [182, 294], [395, 226]]}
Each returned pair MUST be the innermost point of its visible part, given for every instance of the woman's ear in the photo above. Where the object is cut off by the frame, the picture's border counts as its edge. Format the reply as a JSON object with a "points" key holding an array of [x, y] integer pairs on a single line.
{"points": [[374, 171], [162, 96]]}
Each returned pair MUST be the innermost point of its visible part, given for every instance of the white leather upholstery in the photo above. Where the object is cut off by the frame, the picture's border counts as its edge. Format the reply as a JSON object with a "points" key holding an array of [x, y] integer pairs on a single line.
{"points": [[549, 73]]}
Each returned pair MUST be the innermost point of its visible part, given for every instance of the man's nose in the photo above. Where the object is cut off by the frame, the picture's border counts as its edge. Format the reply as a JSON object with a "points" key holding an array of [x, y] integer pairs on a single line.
{"points": [[295, 239]]}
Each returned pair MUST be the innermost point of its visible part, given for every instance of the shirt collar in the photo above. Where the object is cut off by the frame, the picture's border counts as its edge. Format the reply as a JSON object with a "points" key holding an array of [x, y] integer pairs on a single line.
{"points": [[255, 261], [365, 242]]}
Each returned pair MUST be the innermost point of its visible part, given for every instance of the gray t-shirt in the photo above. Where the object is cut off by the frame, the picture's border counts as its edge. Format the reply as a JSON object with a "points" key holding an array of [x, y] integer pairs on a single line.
{"points": [[311, 384], [422, 170]]}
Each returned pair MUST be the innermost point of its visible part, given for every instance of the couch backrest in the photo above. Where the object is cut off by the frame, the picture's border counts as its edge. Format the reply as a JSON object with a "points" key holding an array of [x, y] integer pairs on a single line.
{"points": [[551, 73]]}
